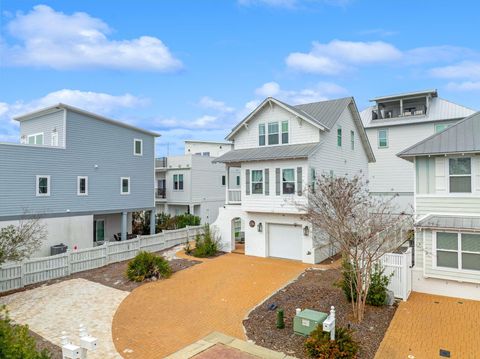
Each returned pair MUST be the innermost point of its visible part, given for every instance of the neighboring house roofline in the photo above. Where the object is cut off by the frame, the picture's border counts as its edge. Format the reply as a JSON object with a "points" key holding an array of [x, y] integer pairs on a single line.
{"points": [[361, 131], [432, 92], [59, 106], [270, 100], [209, 142]]}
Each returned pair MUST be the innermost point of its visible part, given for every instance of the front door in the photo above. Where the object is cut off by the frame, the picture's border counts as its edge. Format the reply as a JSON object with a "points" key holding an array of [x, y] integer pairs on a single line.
{"points": [[99, 230]]}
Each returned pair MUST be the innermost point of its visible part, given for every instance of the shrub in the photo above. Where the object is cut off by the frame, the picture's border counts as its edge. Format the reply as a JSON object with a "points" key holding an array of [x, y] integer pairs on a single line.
{"points": [[206, 245], [16, 342], [318, 345], [377, 293], [147, 265]]}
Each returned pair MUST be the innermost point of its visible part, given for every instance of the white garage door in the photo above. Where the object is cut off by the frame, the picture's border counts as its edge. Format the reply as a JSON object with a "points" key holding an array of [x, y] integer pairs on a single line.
{"points": [[285, 241]]}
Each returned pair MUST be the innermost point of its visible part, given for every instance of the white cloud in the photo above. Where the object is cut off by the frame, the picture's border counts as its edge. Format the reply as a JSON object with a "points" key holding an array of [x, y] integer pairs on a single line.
{"points": [[101, 103], [48, 38], [464, 86], [337, 56], [465, 69], [211, 104], [320, 92]]}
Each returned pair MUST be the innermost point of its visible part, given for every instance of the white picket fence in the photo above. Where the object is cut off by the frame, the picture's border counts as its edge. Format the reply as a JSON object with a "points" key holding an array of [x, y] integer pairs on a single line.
{"points": [[35, 270], [398, 266]]}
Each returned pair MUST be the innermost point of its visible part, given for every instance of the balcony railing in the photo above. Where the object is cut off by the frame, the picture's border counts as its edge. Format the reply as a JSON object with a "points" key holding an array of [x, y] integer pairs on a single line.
{"points": [[234, 196], [161, 162], [160, 193]]}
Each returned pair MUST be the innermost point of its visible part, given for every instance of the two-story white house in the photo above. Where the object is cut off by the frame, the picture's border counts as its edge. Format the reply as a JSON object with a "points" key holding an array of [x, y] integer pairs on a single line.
{"points": [[191, 183], [279, 150], [447, 209], [396, 122]]}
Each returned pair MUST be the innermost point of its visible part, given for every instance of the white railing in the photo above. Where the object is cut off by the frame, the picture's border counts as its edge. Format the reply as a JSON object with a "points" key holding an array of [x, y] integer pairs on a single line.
{"points": [[234, 196], [35, 270], [398, 268]]}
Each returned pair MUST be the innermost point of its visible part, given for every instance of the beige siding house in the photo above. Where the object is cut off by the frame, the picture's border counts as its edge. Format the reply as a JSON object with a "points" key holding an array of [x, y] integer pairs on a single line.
{"points": [[447, 210]]}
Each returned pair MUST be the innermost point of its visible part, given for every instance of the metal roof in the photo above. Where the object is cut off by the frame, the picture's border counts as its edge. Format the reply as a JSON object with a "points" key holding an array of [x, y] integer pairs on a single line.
{"points": [[326, 113], [450, 222], [268, 153], [462, 137], [59, 106], [432, 92]]}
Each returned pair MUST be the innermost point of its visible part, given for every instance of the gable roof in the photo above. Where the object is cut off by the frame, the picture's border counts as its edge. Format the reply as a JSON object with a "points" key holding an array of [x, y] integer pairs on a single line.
{"points": [[59, 106], [462, 137], [281, 152]]}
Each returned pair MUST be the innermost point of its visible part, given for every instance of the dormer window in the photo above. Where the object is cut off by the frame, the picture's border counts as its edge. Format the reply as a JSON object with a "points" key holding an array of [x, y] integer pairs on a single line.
{"points": [[273, 133], [261, 134]]}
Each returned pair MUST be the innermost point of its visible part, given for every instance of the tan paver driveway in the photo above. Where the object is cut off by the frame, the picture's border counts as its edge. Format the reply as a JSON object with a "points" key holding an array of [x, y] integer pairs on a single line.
{"points": [[427, 323], [161, 317]]}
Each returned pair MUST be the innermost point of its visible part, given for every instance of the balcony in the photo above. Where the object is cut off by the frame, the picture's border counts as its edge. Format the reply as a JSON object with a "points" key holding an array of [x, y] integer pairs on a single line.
{"points": [[234, 196], [160, 193], [400, 108], [161, 162]]}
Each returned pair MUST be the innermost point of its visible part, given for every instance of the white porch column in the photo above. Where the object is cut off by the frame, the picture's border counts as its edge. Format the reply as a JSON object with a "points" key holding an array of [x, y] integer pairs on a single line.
{"points": [[124, 226], [227, 183], [153, 220]]}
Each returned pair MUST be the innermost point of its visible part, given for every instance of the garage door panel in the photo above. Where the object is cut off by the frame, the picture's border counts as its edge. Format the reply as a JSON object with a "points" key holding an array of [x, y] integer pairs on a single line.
{"points": [[285, 241]]}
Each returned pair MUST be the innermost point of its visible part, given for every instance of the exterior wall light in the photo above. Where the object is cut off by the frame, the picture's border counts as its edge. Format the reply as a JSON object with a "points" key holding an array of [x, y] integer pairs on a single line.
{"points": [[260, 227], [306, 231]]}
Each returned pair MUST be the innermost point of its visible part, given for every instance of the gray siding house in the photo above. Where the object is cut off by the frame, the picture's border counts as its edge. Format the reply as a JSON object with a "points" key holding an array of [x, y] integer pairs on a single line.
{"points": [[81, 173]]}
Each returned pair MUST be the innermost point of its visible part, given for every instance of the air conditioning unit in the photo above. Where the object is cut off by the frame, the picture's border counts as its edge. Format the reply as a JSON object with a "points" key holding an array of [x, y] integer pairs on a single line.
{"points": [[58, 249]]}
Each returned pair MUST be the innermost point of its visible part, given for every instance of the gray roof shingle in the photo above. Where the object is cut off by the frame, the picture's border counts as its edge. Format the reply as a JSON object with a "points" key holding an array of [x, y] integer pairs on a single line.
{"points": [[462, 137], [450, 222], [268, 153]]}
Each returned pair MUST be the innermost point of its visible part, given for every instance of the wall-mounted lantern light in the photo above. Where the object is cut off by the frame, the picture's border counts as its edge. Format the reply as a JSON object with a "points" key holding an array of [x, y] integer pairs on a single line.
{"points": [[260, 227], [306, 231]]}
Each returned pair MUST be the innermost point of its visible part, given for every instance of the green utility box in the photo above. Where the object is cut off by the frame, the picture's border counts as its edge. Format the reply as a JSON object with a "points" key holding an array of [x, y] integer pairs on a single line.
{"points": [[307, 321]]}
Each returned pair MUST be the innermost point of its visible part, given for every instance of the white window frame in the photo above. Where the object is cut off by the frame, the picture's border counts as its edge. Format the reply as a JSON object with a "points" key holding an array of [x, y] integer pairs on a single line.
{"points": [[472, 177], [386, 138], [178, 181], [54, 139], [135, 140], [294, 181], [262, 182], [340, 136], [278, 133], [458, 251], [121, 185], [281, 132], [352, 140], [34, 135], [79, 178], [37, 186], [264, 134]]}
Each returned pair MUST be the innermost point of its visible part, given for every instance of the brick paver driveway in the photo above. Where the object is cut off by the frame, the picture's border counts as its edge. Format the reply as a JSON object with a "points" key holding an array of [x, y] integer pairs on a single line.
{"points": [[427, 323], [161, 317]]}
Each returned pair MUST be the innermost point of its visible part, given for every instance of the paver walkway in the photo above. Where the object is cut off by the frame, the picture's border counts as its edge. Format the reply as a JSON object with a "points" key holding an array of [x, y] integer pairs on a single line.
{"points": [[427, 323], [49, 310], [161, 317]]}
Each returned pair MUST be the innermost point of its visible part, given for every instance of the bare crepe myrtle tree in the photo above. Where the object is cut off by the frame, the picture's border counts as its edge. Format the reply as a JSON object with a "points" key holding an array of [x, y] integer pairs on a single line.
{"points": [[18, 242], [360, 226]]}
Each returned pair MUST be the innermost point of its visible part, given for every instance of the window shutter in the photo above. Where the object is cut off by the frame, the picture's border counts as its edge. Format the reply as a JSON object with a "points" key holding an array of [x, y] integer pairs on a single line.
{"points": [[277, 181], [247, 182], [267, 182], [440, 175], [299, 181]]}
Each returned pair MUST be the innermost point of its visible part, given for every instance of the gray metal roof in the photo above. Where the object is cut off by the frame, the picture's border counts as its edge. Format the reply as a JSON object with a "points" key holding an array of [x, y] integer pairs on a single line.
{"points": [[268, 153], [462, 137], [450, 222], [432, 92]]}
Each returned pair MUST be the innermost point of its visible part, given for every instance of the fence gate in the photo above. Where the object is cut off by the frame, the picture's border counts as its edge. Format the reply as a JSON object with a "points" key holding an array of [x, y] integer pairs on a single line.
{"points": [[399, 267]]}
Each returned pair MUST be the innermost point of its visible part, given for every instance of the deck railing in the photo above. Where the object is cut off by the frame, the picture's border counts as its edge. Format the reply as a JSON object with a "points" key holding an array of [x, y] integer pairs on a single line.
{"points": [[234, 196]]}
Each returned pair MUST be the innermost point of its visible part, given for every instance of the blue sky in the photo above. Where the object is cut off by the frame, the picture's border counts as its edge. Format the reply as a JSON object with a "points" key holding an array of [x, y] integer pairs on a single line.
{"points": [[192, 69]]}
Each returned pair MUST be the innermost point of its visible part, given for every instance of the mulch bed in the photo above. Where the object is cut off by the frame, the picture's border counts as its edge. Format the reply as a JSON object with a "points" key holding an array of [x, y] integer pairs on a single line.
{"points": [[315, 289]]}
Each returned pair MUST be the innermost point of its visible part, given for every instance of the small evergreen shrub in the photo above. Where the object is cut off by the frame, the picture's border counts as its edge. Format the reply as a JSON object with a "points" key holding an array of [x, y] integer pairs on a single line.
{"points": [[206, 245], [16, 342], [319, 346], [147, 265]]}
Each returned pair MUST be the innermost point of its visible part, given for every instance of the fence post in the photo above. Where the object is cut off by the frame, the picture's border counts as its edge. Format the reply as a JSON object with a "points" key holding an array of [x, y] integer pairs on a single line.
{"points": [[404, 276], [69, 262], [188, 234]]}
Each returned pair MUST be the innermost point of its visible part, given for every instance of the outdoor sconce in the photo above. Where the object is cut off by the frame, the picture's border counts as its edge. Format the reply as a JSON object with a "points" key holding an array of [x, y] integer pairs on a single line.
{"points": [[260, 227], [306, 231]]}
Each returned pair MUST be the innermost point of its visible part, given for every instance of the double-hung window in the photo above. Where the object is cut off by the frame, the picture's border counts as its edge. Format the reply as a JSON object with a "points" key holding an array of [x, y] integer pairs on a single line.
{"points": [[138, 147], [35, 139], [42, 186], [257, 182], [458, 250], [339, 137], [273, 133], [352, 140], [125, 185], [382, 138], [284, 131], [82, 186], [261, 134], [460, 173], [288, 181], [178, 182]]}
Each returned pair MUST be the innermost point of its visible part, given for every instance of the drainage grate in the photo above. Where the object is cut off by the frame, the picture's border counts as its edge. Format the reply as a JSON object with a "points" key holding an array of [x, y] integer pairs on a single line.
{"points": [[444, 353]]}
